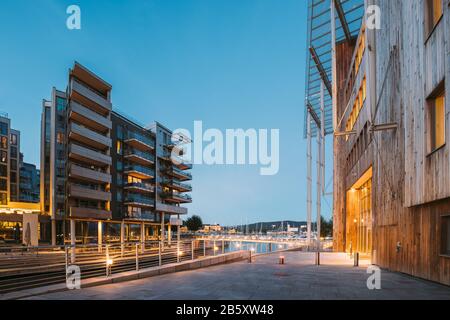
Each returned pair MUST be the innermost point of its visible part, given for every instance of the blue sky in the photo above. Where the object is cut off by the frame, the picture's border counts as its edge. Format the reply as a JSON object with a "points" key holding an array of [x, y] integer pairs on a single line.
{"points": [[230, 63]]}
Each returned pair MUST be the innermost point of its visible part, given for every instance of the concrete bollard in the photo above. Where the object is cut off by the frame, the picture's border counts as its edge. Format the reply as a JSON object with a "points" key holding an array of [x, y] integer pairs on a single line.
{"points": [[317, 258], [281, 260]]}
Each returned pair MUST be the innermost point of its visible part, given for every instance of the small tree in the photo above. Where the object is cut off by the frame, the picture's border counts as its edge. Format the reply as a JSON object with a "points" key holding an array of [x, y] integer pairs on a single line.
{"points": [[326, 227], [194, 223]]}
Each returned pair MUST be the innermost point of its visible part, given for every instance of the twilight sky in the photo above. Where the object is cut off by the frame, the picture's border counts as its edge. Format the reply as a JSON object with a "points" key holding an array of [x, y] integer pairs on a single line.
{"points": [[230, 63]]}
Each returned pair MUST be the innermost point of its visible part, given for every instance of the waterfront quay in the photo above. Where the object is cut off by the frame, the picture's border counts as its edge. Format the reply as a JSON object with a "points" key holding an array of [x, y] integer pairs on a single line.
{"points": [[28, 268], [298, 279]]}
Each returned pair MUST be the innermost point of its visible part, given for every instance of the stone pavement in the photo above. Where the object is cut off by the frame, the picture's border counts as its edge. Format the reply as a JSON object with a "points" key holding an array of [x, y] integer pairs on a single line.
{"points": [[265, 279]]}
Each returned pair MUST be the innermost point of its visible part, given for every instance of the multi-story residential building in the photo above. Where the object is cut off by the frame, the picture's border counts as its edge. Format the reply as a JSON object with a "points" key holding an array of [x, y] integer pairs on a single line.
{"points": [[19, 191], [391, 153], [29, 182], [104, 176]]}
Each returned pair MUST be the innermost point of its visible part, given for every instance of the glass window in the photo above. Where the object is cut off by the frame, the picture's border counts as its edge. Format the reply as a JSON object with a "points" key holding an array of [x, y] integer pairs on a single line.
{"points": [[3, 198], [4, 156], [3, 184], [13, 152], [60, 138], [119, 147], [3, 128], [436, 112], [3, 171], [120, 132], [60, 104], [4, 142], [13, 139], [13, 164], [119, 165]]}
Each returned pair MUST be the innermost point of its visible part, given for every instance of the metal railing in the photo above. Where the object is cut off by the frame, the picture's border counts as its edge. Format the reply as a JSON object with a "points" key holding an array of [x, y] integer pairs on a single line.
{"points": [[141, 169], [29, 267]]}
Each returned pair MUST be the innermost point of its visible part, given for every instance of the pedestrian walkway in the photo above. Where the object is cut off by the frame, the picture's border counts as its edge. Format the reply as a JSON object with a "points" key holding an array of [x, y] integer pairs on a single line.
{"points": [[265, 279]]}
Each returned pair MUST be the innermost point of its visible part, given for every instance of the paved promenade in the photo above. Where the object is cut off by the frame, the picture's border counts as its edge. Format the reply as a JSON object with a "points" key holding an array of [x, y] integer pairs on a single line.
{"points": [[265, 279]]}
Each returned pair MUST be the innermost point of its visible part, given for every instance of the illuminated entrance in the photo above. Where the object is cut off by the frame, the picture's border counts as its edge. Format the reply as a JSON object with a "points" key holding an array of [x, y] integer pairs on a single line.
{"points": [[359, 215]]}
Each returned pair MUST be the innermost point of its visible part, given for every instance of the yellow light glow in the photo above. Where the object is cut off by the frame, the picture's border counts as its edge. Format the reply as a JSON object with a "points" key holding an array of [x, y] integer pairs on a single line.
{"points": [[216, 248], [180, 253], [109, 262]]}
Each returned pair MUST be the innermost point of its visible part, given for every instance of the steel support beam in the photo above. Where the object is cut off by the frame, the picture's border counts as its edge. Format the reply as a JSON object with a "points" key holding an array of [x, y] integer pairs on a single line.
{"points": [[341, 15], [321, 70], [313, 114]]}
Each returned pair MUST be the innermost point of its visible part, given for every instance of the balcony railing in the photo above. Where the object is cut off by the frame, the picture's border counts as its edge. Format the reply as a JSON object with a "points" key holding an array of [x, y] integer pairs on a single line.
{"points": [[144, 156], [180, 174], [140, 185], [139, 171], [132, 198], [140, 215], [177, 184], [139, 140], [176, 197], [88, 136], [86, 94], [89, 155]]}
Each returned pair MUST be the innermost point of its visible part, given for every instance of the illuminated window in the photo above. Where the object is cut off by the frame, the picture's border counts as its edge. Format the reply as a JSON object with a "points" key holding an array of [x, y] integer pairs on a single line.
{"points": [[359, 103], [60, 138], [14, 139], [119, 147], [4, 156], [360, 50], [4, 142], [433, 13], [436, 114]]}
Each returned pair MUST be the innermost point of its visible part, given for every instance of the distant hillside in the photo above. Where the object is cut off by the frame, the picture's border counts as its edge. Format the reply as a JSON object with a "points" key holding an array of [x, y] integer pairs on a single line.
{"points": [[268, 226]]}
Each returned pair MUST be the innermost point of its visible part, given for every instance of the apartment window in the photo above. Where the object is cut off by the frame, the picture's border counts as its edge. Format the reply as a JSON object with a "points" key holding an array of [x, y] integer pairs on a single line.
{"points": [[4, 156], [4, 143], [119, 166], [433, 12], [60, 138], [436, 115], [119, 196], [13, 191], [119, 132], [13, 152], [13, 164], [3, 184], [3, 198], [14, 139], [60, 104], [3, 128], [445, 232], [3, 171], [119, 147]]}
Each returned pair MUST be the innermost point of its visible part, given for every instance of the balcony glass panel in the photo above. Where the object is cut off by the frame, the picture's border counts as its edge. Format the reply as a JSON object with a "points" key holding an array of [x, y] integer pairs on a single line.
{"points": [[142, 169]]}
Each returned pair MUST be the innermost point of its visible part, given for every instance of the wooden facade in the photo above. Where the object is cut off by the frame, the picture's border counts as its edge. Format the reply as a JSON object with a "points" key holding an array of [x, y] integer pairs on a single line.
{"points": [[403, 64]]}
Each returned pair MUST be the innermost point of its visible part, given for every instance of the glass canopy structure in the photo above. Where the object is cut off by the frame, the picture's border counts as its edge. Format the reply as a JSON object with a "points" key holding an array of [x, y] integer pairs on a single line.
{"points": [[348, 18]]}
